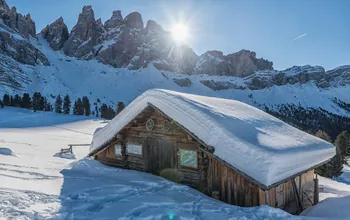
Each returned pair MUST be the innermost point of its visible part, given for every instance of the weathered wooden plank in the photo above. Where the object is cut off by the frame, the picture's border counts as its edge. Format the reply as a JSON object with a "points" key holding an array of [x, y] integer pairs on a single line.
{"points": [[228, 179], [234, 188], [255, 196], [262, 200], [272, 197]]}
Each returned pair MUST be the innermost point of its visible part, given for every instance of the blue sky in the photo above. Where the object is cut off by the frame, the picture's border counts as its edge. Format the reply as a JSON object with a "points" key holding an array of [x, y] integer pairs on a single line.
{"points": [[270, 28]]}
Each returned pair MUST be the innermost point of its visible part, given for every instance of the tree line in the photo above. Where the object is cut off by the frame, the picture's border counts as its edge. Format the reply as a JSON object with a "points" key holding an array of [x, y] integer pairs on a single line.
{"points": [[64, 105]]}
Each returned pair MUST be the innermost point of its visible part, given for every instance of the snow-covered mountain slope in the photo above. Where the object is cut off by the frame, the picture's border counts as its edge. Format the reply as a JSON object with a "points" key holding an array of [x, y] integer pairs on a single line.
{"points": [[68, 75], [36, 184]]}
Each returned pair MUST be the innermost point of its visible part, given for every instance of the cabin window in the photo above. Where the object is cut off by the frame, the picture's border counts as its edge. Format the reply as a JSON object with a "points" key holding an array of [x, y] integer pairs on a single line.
{"points": [[134, 149], [188, 158], [118, 150]]}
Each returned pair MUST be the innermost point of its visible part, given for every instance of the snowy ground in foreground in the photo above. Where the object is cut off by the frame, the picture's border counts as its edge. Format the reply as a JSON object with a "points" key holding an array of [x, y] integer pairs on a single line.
{"points": [[35, 184]]}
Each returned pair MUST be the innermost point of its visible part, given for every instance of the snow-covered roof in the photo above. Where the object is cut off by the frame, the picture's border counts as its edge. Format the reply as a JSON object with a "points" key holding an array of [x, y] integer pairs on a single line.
{"points": [[254, 142]]}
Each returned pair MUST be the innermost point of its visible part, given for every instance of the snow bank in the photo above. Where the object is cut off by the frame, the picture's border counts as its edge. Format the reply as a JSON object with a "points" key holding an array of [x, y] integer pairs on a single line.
{"points": [[263, 147], [332, 208], [6, 151]]}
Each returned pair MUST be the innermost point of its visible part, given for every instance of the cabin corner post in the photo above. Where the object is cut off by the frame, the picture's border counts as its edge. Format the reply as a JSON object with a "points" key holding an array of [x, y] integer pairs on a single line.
{"points": [[316, 190], [266, 197], [123, 150]]}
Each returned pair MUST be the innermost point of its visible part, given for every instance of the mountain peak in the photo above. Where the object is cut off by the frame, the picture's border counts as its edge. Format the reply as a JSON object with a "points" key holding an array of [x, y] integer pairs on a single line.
{"points": [[117, 14], [56, 34], [134, 20], [115, 21], [87, 14], [153, 26]]}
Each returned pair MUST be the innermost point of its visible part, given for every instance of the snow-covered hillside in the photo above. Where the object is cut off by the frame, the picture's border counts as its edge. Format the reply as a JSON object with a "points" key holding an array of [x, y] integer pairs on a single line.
{"points": [[36, 184], [77, 78]]}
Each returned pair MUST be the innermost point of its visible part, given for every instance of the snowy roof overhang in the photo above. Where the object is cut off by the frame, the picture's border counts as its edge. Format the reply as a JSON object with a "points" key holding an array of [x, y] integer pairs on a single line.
{"points": [[262, 147]]}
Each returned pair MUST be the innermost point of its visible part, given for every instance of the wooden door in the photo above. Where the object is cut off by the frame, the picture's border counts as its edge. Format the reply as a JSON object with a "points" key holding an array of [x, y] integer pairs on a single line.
{"points": [[159, 155]]}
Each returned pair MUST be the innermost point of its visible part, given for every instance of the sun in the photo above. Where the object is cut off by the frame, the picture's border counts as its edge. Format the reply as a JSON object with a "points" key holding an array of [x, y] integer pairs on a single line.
{"points": [[179, 33]]}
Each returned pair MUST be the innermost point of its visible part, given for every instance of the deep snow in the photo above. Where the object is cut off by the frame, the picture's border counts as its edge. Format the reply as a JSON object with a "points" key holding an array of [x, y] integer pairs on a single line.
{"points": [[258, 144], [37, 185]]}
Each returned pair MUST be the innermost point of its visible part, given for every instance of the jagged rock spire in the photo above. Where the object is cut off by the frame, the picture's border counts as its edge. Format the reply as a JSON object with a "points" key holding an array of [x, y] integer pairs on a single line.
{"points": [[24, 25], [134, 20], [84, 35], [56, 34], [115, 21]]}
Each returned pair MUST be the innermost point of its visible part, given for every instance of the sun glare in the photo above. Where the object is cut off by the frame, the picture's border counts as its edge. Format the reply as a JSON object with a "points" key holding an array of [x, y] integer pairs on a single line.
{"points": [[179, 33]]}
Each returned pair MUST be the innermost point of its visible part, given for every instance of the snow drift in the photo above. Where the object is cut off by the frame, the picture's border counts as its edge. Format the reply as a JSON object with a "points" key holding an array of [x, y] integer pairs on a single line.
{"points": [[263, 147]]}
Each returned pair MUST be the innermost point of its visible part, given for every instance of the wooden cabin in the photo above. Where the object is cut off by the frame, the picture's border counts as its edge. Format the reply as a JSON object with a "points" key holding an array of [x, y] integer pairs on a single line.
{"points": [[157, 134]]}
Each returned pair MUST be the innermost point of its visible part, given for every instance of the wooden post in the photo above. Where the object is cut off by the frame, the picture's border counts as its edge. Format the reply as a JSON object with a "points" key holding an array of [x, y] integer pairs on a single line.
{"points": [[316, 192], [296, 193]]}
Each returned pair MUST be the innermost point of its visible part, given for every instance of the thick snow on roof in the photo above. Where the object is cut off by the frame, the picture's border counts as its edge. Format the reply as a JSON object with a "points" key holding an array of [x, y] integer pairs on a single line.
{"points": [[263, 147]]}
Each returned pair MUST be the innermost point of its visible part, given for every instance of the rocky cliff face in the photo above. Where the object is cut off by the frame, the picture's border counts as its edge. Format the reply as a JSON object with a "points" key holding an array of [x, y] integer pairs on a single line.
{"points": [[24, 25], [241, 64], [125, 42], [15, 32], [84, 36], [295, 75], [56, 34]]}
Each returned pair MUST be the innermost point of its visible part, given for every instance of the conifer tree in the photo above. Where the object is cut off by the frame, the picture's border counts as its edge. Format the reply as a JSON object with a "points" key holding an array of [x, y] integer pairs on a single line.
{"points": [[6, 100], [1, 104], [36, 99], [343, 143], [17, 102], [78, 108], [334, 167], [111, 113], [120, 107], [47, 107], [86, 106], [26, 101], [107, 112], [104, 111], [66, 105], [11, 101], [96, 110], [58, 104], [42, 103]]}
